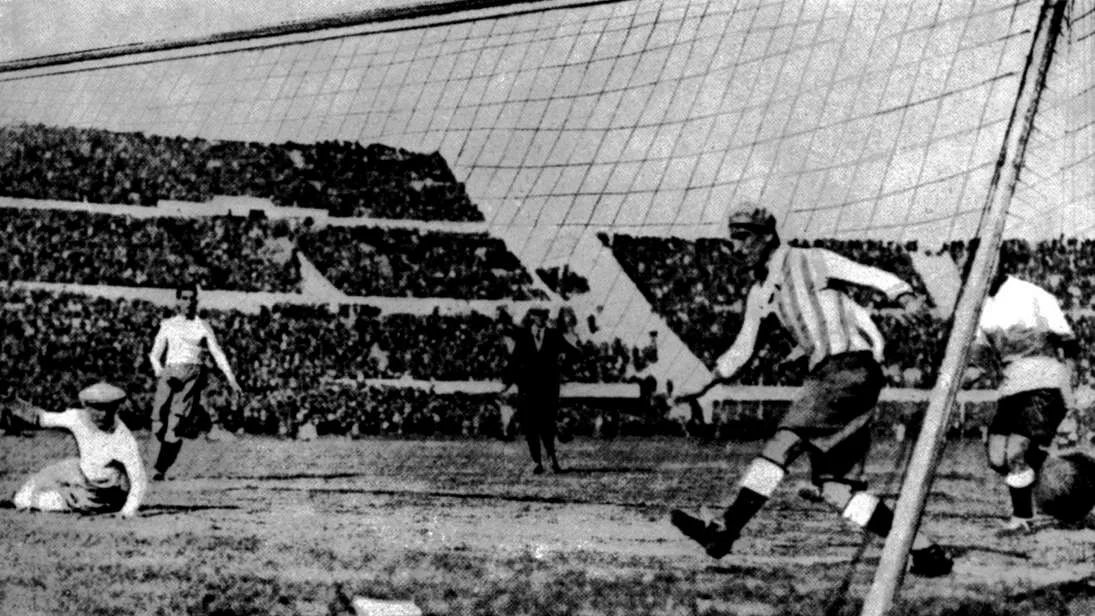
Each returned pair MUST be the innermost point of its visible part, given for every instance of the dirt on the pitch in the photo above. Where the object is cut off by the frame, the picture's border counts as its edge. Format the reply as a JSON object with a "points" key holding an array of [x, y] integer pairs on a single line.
{"points": [[270, 527]]}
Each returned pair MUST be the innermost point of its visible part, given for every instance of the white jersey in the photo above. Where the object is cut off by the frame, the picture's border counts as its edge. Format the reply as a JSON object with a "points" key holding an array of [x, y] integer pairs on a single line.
{"points": [[1021, 323], [184, 339], [99, 450]]}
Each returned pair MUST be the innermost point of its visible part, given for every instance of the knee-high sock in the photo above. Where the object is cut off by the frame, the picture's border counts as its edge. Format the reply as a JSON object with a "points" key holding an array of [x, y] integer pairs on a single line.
{"points": [[872, 515], [757, 485], [1021, 489]]}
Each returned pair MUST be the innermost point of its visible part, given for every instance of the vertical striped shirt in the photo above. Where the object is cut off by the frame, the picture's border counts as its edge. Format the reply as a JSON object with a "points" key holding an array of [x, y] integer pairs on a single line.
{"points": [[822, 320]]}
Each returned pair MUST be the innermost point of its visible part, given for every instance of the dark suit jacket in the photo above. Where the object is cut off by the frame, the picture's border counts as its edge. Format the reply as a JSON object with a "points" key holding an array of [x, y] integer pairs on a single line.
{"points": [[536, 372]]}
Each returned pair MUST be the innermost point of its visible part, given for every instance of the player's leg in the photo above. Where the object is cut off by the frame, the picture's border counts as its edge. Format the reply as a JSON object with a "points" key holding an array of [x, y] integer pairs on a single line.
{"points": [[530, 426], [177, 408], [161, 402], [46, 490], [761, 478], [1024, 425], [756, 485], [185, 400], [834, 472], [548, 428]]}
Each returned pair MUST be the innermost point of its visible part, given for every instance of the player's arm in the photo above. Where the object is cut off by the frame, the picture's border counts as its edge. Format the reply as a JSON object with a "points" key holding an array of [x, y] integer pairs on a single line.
{"points": [[1061, 335], [745, 343], [838, 267], [130, 459], [981, 357], [219, 358], [68, 419], [509, 373], [159, 345], [739, 353]]}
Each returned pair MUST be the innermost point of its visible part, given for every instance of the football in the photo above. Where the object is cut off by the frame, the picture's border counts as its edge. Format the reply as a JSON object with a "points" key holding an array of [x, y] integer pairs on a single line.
{"points": [[1066, 486]]}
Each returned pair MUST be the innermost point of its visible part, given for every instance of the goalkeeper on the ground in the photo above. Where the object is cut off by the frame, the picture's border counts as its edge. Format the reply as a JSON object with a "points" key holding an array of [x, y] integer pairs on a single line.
{"points": [[108, 475], [831, 418]]}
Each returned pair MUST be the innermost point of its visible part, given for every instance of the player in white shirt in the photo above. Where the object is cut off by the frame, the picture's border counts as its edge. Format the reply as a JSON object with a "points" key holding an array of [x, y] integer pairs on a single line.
{"points": [[183, 338], [108, 475], [1023, 328]]}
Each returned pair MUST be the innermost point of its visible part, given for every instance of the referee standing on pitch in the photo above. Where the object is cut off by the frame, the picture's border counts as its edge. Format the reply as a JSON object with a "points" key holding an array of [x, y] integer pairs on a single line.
{"points": [[831, 418], [181, 376], [535, 369]]}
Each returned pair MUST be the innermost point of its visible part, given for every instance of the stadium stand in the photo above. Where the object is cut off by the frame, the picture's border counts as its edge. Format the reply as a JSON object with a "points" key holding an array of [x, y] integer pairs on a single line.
{"points": [[56, 343], [223, 252], [392, 262], [346, 179], [1059, 265]]}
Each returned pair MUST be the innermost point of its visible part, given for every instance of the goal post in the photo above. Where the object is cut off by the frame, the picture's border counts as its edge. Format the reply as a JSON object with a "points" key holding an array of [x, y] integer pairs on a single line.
{"points": [[925, 458]]}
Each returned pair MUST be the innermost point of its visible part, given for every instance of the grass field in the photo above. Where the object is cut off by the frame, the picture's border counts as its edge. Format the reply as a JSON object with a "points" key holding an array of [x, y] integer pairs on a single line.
{"points": [[272, 527]]}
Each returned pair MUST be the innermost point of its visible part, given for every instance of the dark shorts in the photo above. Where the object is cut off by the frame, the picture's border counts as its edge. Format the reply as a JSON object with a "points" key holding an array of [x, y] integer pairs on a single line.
{"points": [[1034, 414], [834, 411]]}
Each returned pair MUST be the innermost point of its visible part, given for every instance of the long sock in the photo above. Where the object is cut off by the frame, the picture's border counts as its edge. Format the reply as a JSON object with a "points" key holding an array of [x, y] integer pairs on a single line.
{"points": [[1021, 488], [876, 517], [744, 507], [1022, 501], [757, 484], [169, 452]]}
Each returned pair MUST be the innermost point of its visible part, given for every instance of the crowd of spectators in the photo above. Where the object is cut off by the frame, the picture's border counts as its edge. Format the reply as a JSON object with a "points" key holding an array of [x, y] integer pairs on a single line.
{"points": [[393, 262], [254, 254], [74, 246], [1060, 265], [344, 178], [313, 365], [56, 343], [699, 288]]}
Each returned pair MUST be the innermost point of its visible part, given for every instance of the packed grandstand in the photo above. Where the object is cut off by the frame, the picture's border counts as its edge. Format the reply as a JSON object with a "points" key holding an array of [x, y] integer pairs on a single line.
{"points": [[321, 363]]}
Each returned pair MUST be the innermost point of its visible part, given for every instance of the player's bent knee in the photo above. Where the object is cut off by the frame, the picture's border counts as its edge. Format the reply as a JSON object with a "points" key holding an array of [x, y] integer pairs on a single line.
{"points": [[837, 494], [998, 456], [1020, 478], [783, 448], [24, 497], [50, 501]]}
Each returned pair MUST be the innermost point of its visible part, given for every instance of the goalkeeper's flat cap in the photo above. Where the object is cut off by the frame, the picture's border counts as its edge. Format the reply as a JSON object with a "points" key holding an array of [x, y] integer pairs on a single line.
{"points": [[102, 393], [754, 218]]}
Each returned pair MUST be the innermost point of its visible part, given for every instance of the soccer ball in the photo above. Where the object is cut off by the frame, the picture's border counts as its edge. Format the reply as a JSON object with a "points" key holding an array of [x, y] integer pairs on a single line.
{"points": [[1066, 487]]}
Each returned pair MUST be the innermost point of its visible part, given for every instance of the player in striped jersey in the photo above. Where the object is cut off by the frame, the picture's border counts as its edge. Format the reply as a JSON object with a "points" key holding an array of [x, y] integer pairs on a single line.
{"points": [[831, 418], [1023, 327]]}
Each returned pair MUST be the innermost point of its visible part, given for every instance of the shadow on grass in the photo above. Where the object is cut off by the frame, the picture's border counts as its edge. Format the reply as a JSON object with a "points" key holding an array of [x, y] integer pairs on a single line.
{"points": [[155, 510], [607, 470]]}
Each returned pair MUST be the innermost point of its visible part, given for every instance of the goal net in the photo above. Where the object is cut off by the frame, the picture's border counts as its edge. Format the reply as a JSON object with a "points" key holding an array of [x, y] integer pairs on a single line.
{"points": [[608, 139]]}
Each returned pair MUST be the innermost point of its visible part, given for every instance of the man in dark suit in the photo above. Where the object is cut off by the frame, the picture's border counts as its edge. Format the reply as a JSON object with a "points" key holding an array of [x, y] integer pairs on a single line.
{"points": [[534, 368]]}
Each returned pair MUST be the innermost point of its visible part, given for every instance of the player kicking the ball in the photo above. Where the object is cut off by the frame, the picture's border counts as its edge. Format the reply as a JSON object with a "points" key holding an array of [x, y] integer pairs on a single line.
{"points": [[831, 419], [107, 477], [1023, 327]]}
